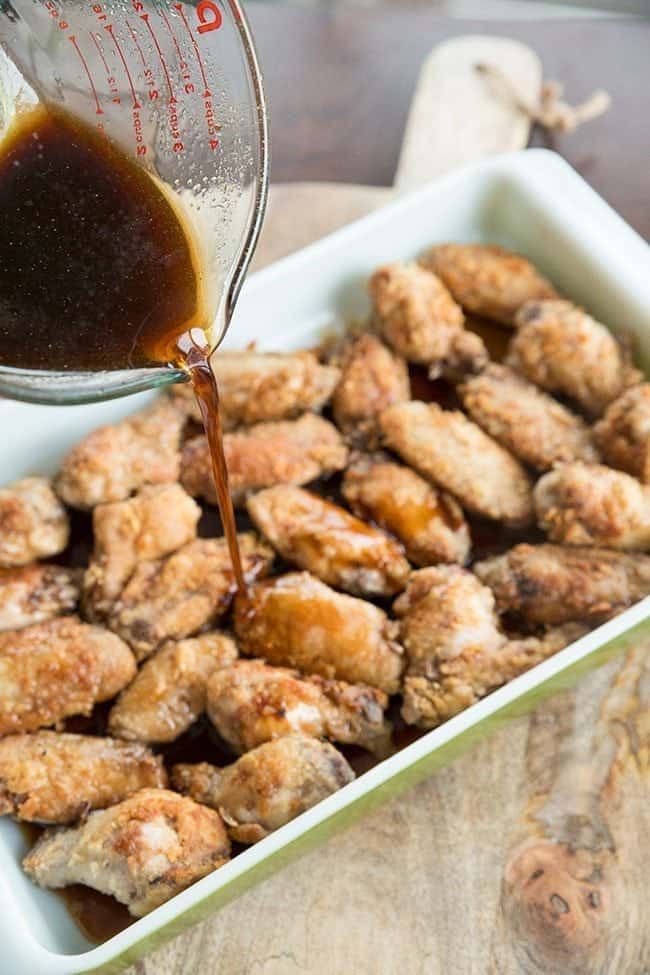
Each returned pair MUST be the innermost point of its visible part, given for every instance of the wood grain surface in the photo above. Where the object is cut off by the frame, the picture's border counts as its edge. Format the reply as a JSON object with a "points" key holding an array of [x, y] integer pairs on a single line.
{"points": [[528, 856]]}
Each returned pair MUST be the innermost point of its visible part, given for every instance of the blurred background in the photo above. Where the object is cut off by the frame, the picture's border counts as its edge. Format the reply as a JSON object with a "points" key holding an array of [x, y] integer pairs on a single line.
{"points": [[516, 9]]}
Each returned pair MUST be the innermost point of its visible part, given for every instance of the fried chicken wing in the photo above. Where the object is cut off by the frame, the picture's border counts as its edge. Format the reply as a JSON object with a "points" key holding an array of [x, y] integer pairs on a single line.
{"points": [[290, 452], [372, 378], [257, 386], [58, 778], [529, 423], [454, 453], [554, 584], [590, 504], [623, 434], [141, 851], [456, 651], [487, 280], [169, 691], [153, 523], [418, 318], [429, 523], [33, 522], [113, 461], [55, 669], [175, 597], [559, 347], [35, 593], [251, 702], [329, 542], [295, 620], [268, 786]]}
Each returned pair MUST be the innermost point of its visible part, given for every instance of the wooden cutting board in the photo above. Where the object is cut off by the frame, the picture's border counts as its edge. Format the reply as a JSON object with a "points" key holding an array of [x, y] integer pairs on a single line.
{"points": [[529, 855]]}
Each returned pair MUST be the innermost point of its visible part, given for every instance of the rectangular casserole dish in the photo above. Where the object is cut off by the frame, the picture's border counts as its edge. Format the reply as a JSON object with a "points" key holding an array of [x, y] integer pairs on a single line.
{"points": [[532, 202]]}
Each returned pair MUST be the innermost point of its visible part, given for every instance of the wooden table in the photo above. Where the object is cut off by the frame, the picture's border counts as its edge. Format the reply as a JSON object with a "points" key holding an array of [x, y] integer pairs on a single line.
{"points": [[531, 853]]}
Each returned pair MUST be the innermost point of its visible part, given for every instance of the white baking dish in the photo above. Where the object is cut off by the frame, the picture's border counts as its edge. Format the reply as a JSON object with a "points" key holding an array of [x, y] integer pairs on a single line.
{"points": [[532, 202]]}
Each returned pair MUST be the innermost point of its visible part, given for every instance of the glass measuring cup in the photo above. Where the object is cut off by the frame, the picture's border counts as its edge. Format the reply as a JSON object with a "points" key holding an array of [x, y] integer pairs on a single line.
{"points": [[177, 86]]}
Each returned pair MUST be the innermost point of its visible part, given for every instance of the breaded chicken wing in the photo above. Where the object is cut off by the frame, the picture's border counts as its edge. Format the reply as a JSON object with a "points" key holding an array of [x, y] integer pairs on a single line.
{"points": [[291, 452], [329, 542], [113, 461], [487, 280], [169, 691], [532, 425], [251, 702], [141, 851], [172, 598], [153, 523], [268, 786], [555, 584], [297, 621], [58, 778], [55, 669], [418, 318], [372, 378], [429, 523], [456, 652], [623, 434], [35, 593], [590, 504], [33, 522], [257, 386], [450, 450], [559, 347]]}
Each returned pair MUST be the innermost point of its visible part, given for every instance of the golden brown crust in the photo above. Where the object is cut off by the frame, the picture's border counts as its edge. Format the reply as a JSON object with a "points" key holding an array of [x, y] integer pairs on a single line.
{"points": [[35, 593], [169, 691], [329, 542], [450, 450], [295, 620], [113, 461], [48, 777], [487, 280], [623, 434], [33, 522], [289, 452], [55, 669], [532, 425], [172, 598], [429, 523]]}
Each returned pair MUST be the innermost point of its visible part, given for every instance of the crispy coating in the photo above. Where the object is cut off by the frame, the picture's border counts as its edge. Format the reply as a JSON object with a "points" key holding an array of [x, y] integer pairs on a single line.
{"points": [[257, 386], [268, 786], [559, 347], [487, 280], [251, 702], [295, 620], [429, 523], [55, 669], [141, 851], [329, 542], [529, 423], [554, 584], [58, 778], [456, 652], [153, 523], [175, 597], [169, 691], [418, 318], [113, 461], [35, 593], [372, 378], [290, 452], [623, 434], [450, 450], [33, 522], [590, 504]]}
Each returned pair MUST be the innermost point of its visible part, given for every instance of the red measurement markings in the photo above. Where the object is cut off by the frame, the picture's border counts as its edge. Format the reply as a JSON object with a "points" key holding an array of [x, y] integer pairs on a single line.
{"points": [[208, 105], [98, 108], [110, 78], [177, 145], [109, 28], [147, 73]]}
